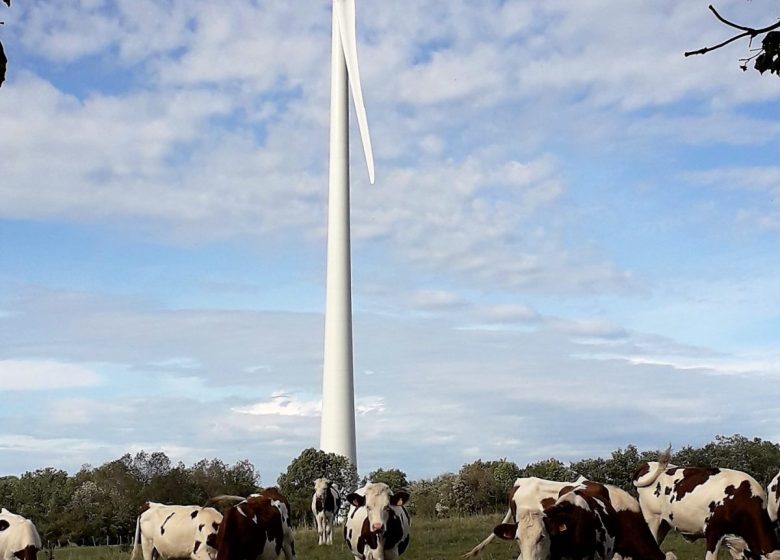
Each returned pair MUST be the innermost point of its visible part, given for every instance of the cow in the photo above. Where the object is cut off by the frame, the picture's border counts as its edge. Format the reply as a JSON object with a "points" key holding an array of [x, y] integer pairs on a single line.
{"points": [[577, 526], [377, 525], [325, 504], [633, 538], [19, 539], [712, 503], [773, 498], [185, 532], [257, 528], [526, 493]]}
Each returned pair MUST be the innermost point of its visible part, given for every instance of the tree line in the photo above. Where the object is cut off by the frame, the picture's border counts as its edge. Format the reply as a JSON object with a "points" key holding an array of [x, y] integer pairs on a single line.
{"points": [[103, 502]]}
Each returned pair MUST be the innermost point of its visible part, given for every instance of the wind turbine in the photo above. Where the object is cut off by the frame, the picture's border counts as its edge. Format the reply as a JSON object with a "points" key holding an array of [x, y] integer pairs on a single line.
{"points": [[337, 430]]}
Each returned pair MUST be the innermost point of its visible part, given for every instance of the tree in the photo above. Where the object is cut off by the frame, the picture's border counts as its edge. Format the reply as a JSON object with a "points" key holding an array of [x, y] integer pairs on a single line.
{"points": [[43, 495], [394, 478], [767, 58], [757, 457], [551, 469], [434, 497], [619, 469], [424, 498], [505, 472], [8, 486], [487, 482], [297, 483], [592, 469]]}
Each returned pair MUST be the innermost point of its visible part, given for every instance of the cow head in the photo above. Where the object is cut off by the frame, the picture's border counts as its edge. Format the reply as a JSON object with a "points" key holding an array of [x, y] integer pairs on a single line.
{"points": [[321, 486], [18, 536], [377, 500], [208, 521], [530, 532]]}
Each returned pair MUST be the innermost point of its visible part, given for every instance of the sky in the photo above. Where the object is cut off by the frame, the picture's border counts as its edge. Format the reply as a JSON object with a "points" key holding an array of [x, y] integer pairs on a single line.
{"points": [[572, 245]]}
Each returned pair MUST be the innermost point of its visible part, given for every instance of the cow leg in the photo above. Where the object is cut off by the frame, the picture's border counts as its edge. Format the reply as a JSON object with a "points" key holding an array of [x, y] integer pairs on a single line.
{"points": [[713, 538], [147, 548], [288, 545], [329, 529], [663, 530], [320, 528], [654, 523]]}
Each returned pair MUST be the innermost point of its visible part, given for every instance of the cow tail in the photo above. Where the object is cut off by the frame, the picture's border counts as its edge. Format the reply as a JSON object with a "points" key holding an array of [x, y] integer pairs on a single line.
{"points": [[477, 550], [661, 466], [137, 537]]}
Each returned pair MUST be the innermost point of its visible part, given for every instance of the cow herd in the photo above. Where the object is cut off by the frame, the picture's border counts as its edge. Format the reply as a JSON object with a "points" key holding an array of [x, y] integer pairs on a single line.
{"points": [[587, 519], [549, 520]]}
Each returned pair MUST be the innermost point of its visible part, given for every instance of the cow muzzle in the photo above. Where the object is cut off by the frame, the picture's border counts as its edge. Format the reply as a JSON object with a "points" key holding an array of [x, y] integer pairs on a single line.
{"points": [[377, 528], [28, 553]]}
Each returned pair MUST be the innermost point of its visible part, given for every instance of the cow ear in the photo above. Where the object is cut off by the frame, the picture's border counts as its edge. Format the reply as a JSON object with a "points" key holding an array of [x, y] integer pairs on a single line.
{"points": [[4, 524], [555, 527], [399, 498], [506, 531], [356, 499]]}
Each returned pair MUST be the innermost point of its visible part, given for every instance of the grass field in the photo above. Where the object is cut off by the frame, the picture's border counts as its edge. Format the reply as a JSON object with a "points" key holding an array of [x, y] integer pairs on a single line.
{"points": [[446, 539]]}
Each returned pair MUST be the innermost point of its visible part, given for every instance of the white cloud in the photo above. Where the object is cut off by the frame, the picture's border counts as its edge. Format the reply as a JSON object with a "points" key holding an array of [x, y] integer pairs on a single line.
{"points": [[762, 209], [38, 375], [370, 405], [282, 404], [435, 299], [509, 313], [589, 329], [492, 126], [84, 411]]}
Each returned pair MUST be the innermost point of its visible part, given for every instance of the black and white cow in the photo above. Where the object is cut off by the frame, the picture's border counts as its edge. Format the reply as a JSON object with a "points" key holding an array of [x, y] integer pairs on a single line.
{"points": [[176, 531], [19, 538], [377, 525], [704, 502], [527, 493], [577, 526], [325, 504], [773, 498]]}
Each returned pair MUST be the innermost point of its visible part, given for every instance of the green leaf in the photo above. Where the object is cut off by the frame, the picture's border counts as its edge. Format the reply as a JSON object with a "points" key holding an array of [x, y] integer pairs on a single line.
{"points": [[763, 62], [771, 43]]}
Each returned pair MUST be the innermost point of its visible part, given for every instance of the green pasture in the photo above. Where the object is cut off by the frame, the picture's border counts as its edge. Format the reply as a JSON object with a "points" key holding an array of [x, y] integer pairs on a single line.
{"points": [[445, 539]]}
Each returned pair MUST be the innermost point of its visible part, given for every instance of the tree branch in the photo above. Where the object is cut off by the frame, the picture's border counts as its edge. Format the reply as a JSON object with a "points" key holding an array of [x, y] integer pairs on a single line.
{"points": [[727, 22], [747, 32]]}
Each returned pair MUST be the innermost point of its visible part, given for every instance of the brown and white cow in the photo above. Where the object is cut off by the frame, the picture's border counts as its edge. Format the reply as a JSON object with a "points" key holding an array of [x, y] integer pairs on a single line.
{"points": [[325, 504], [19, 539], [377, 525], [257, 528], [530, 493], [706, 502], [176, 531], [577, 526], [633, 538]]}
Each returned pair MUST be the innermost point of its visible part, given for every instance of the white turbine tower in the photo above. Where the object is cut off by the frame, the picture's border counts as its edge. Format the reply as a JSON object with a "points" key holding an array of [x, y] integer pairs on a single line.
{"points": [[337, 433]]}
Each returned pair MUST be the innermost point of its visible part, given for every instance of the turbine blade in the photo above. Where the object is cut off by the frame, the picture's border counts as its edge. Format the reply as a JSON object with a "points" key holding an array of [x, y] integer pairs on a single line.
{"points": [[345, 13]]}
